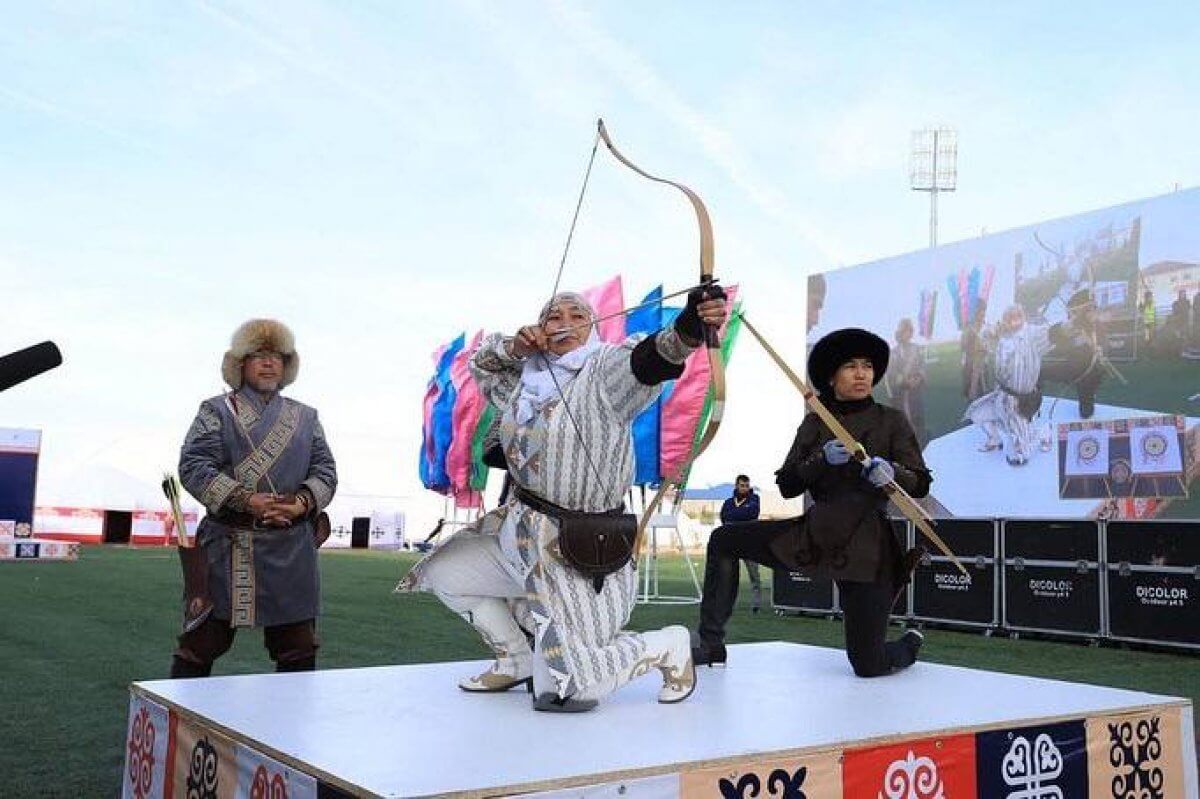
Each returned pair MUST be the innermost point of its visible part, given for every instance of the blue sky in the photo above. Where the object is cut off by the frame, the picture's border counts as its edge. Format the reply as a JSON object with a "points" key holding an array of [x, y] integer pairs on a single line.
{"points": [[383, 175]]}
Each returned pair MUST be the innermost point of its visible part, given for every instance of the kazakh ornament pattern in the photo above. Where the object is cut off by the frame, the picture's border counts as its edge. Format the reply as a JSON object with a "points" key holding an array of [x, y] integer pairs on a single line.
{"points": [[780, 783], [202, 771], [268, 786], [1029, 767], [140, 751], [1135, 749], [912, 778]]}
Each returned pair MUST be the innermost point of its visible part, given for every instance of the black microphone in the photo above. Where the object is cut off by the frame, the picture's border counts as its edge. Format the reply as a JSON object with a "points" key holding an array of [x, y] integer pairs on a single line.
{"points": [[21, 365]]}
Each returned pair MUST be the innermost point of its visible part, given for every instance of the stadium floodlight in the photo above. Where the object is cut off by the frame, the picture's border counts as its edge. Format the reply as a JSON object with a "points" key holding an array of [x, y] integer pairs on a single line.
{"points": [[934, 167]]}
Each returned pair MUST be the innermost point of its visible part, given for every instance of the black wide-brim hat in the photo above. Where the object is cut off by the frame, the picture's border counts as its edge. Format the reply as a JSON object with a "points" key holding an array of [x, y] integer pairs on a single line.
{"points": [[836, 348]]}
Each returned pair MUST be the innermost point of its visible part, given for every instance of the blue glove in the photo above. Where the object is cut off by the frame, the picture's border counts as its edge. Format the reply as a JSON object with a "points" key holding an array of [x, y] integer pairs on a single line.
{"points": [[879, 472], [836, 453]]}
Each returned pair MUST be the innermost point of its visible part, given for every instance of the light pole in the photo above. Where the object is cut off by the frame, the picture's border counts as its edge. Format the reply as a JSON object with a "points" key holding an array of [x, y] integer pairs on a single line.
{"points": [[934, 167]]}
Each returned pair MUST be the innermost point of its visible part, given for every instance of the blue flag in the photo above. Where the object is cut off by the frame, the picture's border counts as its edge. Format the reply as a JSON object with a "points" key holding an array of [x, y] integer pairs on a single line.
{"points": [[440, 429], [646, 426]]}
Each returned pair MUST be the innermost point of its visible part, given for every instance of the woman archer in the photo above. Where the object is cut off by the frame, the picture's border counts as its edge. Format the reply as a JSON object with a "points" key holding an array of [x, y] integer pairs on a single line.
{"points": [[568, 402]]}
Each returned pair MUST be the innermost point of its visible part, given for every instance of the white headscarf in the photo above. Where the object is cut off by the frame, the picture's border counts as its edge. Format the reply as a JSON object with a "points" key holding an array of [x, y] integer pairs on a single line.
{"points": [[545, 374]]}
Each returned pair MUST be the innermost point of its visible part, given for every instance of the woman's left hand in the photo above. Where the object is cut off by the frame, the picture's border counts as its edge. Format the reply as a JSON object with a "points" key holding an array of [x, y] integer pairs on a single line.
{"points": [[705, 306], [713, 312], [879, 472]]}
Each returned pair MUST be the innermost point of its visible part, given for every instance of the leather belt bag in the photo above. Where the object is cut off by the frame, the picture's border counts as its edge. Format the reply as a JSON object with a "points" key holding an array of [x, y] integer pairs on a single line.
{"points": [[593, 544]]}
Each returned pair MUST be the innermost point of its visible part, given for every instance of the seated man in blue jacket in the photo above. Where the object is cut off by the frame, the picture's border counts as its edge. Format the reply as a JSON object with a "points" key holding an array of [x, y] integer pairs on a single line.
{"points": [[743, 507]]}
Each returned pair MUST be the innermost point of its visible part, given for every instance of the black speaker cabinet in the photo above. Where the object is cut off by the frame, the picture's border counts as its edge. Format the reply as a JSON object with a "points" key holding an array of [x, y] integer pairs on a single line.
{"points": [[940, 592], [902, 530], [1153, 579], [1052, 576], [798, 593]]}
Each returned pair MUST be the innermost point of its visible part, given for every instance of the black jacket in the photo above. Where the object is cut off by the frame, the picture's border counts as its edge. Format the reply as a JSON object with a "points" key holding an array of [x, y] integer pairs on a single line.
{"points": [[731, 511], [845, 533]]}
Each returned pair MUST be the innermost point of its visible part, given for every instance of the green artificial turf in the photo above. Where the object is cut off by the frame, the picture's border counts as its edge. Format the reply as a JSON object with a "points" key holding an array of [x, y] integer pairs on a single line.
{"points": [[74, 635]]}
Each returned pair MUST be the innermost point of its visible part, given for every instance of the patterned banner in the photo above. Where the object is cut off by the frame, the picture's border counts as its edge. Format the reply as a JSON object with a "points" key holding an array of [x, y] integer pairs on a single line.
{"points": [[1135, 756], [260, 777], [203, 764], [1047, 762], [930, 768], [146, 740], [801, 777], [35, 549]]}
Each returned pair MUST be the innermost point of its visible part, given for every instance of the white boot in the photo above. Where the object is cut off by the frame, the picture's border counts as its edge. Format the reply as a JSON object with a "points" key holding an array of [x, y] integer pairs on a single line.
{"points": [[670, 651], [493, 619]]}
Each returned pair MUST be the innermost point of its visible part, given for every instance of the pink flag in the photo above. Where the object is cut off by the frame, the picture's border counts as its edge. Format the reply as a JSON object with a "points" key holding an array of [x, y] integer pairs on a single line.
{"points": [[468, 405], [988, 275], [431, 394], [682, 409], [608, 299]]}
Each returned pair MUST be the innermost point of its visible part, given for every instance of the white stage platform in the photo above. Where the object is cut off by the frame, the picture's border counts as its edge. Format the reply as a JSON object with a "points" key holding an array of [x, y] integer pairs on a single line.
{"points": [[1030, 490], [783, 714]]}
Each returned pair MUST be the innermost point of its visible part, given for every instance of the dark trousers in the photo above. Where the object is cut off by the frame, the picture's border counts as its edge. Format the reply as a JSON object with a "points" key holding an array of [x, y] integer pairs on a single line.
{"points": [[865, 605], [753, 573], [293, 647], [1073, 370]]}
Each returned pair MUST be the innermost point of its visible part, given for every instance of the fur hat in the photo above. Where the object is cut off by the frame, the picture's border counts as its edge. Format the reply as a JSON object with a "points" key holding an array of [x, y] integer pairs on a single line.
{"points": [[836, 348], [256, 335]]}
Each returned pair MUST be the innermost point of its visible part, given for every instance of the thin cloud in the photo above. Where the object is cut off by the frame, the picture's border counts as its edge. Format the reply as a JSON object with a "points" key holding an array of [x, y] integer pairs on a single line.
{"points": [[56, 111], [302, 60], [638, 77]]}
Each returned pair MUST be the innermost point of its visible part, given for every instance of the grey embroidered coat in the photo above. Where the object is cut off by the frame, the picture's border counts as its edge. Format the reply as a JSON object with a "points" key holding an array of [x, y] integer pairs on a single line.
{"points": [[218, 466]]}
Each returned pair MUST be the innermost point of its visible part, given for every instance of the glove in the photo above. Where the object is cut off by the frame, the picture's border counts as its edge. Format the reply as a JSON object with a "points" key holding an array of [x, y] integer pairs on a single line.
{"points": [[879, 472], [836, 453], [688, 323]]}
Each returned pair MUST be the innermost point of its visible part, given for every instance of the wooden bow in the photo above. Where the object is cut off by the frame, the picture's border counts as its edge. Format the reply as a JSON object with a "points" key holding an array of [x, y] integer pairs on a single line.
{"points": [[907, 505], [712, 339]]}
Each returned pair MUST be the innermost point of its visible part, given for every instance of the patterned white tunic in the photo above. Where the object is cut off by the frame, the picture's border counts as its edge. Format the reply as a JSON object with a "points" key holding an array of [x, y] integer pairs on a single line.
{"points": [[590, 468], [1017, 365]]}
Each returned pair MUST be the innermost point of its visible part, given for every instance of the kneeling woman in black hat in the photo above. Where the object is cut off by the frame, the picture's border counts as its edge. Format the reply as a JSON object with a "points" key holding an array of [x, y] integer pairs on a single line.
{"points": [[845, 534]]}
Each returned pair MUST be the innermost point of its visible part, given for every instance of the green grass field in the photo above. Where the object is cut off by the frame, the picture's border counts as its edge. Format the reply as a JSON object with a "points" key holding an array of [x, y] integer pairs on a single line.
{"points": [[74, 635]]}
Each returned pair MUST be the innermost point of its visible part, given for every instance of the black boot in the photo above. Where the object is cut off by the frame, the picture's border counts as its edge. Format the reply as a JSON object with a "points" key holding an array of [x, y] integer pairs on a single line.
{"points": [[902, 652], [1087, 406], [182, 669], [709, 654], [716, 605], [301, 664]]}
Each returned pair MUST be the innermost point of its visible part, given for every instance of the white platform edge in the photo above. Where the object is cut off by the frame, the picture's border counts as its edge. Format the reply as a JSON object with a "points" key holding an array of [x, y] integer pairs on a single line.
{"points": [[1187, 736], [656, 781]]}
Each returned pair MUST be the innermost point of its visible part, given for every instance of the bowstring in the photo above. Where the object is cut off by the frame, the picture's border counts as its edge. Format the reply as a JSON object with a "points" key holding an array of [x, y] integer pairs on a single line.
{"points": [[557, 280]]}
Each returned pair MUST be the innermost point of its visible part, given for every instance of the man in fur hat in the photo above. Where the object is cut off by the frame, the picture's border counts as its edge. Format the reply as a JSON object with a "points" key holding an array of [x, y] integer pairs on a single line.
{"points": [[259, 464], [844, 533]]}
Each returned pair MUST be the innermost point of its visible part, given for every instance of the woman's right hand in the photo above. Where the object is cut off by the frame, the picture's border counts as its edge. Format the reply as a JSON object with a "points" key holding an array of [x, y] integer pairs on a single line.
{"points": [[836, 453], [527, 341]]}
